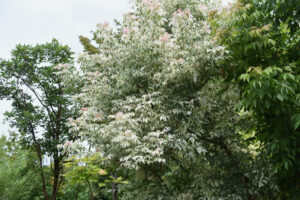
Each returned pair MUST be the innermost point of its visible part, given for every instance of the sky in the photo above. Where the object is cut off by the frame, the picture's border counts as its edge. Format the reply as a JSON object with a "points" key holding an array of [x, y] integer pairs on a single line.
{"points": [[38, 21]]}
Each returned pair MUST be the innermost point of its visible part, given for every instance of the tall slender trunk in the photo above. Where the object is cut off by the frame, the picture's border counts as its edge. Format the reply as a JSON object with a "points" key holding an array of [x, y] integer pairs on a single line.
{"points": [[115, 188], [39, 154], [76, 198], [42, 173], [56, 174], [56, 158]]}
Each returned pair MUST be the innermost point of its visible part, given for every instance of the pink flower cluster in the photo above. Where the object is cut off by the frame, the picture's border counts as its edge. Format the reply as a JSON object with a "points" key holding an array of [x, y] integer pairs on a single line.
{"points": [[84, 109], [206, 29], [71, 120], [156, 151], [180, 12], [165, 37], [152, 4], [119, 116], [104, 25], [126, 30], [128, 132], [68, 144]]}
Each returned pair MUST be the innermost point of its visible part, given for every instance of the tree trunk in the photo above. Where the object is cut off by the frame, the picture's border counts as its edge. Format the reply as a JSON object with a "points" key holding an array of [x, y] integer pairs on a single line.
{"points": [[56, 173], [76, 198], [39, 154], [56, 158], [42, 174], [115, 189]]}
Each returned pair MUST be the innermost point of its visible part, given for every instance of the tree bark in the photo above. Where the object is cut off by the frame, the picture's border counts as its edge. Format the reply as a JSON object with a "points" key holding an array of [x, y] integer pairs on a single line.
{"points": [[115, 188], [39, 154], [56, 158], [42, 172], [76, 198], [56, 173]]}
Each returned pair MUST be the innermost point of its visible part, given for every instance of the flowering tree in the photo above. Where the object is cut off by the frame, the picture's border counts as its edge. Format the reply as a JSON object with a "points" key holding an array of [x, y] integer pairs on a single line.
{"points": [[151, 106]]}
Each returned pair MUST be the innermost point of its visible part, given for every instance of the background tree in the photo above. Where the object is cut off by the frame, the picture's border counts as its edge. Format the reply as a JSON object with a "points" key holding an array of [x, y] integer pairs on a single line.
{"points": [[84, 174], [263, 43], [41, 104], [18, 172]]}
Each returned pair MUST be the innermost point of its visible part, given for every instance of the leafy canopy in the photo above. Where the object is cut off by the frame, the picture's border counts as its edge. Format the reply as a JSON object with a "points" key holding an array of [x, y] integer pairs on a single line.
{"points": [[262, 39]]}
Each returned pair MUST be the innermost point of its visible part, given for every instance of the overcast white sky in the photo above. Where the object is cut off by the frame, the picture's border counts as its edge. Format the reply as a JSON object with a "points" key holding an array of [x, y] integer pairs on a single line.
{"points": [[38, 21]]}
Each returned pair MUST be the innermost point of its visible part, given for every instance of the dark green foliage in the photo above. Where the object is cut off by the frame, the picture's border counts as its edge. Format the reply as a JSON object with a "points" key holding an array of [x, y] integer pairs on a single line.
{"points": [[19, 178], [263, 43], [41, 104]]}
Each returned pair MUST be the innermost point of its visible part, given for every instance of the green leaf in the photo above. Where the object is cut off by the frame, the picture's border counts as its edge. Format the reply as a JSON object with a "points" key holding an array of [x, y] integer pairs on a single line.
{"points": [[101, 184], [267, 104], [273, 146], [288, 68], [296, 125], [286, 165], [271, 41], [280, 97]]}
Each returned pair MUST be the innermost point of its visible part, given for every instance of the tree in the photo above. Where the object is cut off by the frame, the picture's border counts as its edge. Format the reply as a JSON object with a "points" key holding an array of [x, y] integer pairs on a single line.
{"points": [[88, 47], [152, 104], [41, 104], [262, 39], [84, 173], [18, 169]]}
